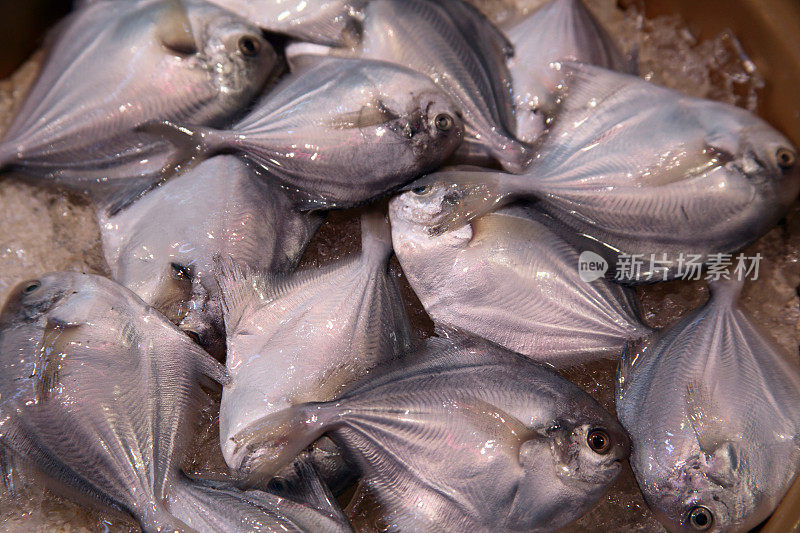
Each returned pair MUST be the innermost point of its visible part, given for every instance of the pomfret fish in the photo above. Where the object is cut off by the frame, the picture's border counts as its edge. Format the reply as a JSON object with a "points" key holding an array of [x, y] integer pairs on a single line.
{"points": [[340, 131], [99, 391], [463, 53], [508, 278], [163, 246], [328, 22], [713, 408], [646, 171], [562, 30], [116, 65], [308, 336], [467, 437]]}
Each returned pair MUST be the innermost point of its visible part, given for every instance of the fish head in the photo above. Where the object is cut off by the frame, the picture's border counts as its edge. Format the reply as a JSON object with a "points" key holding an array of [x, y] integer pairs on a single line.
{"points": [[769, 160], [413, 212], [234, 53], [32, 300], [567, 467], [716, 490], [435, 127], [752, 151]]}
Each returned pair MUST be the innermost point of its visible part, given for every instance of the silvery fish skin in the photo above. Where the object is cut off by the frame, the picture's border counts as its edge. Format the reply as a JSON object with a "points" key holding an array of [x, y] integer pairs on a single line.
{"points": [[713, 408], [99, 391], [562, 30], [465, 55], [340, 131], [328, 22], [644, 170], [465, 437], [509, 278], [306, 337], [116, 65], [163, 246]]}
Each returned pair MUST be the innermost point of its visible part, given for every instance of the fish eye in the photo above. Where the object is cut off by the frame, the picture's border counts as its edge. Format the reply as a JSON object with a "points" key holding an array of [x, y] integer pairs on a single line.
{"points": [[786, 158], [180, 271], [599, 441], [700, 518], [249, 45], [443, 122], [31, 287], [423, 190]]}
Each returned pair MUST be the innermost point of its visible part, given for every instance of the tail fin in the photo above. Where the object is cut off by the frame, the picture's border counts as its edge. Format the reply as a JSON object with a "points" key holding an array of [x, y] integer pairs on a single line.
{"points": [[725, 291], [472, 193], [8, 155], [514, 156], [305, 485], [376, 236], [192, 143], [240, 287], [270, 444]]}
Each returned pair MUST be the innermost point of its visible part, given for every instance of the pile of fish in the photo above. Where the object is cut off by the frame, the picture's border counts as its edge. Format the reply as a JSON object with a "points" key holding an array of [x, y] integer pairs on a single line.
{"points": [[213, 136]]}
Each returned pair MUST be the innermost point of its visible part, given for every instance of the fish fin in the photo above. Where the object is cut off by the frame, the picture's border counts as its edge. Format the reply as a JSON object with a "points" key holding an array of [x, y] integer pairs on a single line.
{"points": [[56, 338], [370, 115], [240, 288], [632, 353], [470, 195], [726, 291], [693, 161], [191, 142], [208, 366], [376, 236], [587, 86], [310, 488], [174, 29], [304, 56], [705, 417], [271, 443]]}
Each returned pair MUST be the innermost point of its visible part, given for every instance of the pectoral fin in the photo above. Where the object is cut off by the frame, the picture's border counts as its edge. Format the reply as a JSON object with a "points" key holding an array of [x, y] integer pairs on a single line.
{"points": [[174, 30], [683, 165], [56, 339], [371, 115]]}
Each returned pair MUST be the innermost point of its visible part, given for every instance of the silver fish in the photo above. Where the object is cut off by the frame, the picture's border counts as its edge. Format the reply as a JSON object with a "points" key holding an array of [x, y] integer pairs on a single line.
{"points": [[466, 437], [308, 336], [99, 391], [464, 54], [328, 22], [646, 171], [340, 131], [510, 279], [116, 65], [163, 246], [713, 408], [561, 30]]}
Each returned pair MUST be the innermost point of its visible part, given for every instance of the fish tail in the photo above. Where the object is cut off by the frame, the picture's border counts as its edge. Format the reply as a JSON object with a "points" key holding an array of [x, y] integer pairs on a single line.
{"points": [[513, 155], [191, 142], [8, 155], [470, 194], [376, 236], [263, 448], [726, 291], [157, 519]]}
